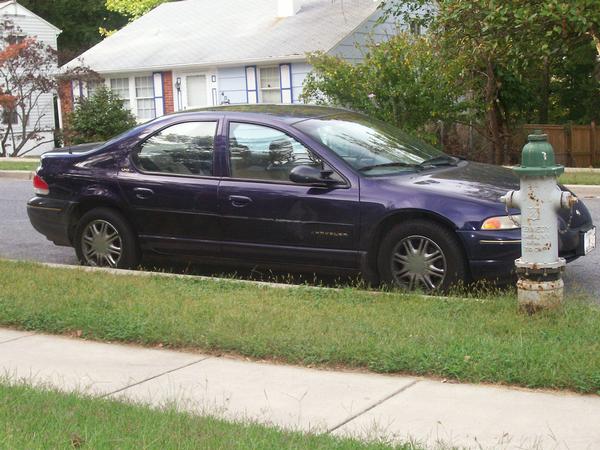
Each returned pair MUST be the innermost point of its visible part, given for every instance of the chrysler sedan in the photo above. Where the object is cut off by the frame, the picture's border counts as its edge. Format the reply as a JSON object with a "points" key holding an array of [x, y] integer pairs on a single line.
{"points": [[292, 187]]}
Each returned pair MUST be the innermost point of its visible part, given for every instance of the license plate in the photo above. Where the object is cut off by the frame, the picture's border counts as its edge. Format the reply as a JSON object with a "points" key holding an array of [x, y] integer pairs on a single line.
{"points": [[589, 241]]}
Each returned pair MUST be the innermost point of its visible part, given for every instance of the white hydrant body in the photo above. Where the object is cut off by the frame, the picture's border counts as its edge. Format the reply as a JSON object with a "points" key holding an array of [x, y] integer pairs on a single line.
{"points": [[539, 199]]}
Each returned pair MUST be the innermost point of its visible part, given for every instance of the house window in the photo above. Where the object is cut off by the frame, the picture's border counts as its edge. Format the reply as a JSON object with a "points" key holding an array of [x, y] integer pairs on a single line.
{"points": [[144, 94], [10, 117], [120, 86], [93, 86], [270, 85], [15, 38], [415, 28]]}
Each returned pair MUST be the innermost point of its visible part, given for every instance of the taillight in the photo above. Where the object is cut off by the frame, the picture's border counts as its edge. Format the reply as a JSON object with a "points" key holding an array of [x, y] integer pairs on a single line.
{"points": [[40, 187]]}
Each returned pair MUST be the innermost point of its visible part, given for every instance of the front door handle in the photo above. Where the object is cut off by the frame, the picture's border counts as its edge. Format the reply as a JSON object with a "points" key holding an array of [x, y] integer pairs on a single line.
{"points": [[143, 193], [239, 201]]}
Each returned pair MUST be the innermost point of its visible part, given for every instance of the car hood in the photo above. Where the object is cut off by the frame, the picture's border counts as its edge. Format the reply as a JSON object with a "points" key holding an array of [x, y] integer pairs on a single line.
{"points": [[472, 180]]}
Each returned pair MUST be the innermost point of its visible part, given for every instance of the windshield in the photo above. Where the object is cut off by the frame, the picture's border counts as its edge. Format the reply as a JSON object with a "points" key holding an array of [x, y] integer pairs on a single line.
{"points": [[368, 145]]}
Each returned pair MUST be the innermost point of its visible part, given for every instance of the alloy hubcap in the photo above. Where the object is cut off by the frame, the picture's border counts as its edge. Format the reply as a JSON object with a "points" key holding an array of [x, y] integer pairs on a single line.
{"points": [[418, 263], [101, 244]]}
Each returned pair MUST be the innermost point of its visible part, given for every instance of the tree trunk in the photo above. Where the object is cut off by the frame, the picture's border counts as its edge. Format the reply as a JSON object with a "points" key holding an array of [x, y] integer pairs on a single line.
{"points": [[545, 93], [493, 116]]}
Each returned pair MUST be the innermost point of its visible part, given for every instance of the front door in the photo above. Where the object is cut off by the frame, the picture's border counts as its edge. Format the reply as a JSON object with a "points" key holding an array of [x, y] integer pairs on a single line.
{"points": [[265, 216], [171, 187], [196, 95]]}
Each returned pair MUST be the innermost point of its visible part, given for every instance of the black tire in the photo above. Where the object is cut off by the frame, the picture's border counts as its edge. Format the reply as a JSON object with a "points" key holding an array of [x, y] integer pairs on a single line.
{"points": [[126, 241], [395, 265]]}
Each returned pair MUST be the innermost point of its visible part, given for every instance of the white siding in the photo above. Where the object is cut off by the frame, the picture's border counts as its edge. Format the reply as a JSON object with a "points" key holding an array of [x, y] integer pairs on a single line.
{"points": [[299, 72], [352, 47]]}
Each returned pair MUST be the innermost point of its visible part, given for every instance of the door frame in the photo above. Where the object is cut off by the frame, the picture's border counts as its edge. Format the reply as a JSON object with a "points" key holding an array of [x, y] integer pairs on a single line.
{"points": [[183, 93]]}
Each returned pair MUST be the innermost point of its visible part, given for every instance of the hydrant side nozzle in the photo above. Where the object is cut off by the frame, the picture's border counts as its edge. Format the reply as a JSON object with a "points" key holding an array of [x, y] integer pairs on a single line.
{"points": [[567, 200], [510, 199]]}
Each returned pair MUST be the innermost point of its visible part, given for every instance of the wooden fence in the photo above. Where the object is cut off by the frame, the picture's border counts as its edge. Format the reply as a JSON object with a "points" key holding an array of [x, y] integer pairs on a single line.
{"points": [[574, 145]]}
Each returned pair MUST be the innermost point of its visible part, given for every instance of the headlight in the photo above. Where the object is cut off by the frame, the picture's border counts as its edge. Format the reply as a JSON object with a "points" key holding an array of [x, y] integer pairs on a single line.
{"points": [[502, 223]]}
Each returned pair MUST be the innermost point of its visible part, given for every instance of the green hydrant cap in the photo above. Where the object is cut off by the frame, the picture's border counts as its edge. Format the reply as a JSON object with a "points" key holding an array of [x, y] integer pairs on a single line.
{"points": [[537, 158]]}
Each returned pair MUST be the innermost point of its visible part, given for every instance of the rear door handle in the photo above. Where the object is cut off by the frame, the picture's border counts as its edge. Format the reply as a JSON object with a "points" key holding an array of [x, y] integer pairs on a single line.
{"points": [[239, 201], [143, 193]]}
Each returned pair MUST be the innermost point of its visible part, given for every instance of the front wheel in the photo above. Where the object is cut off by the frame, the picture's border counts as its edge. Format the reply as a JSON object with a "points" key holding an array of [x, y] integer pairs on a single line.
{"points": [[421, 255], [105, 239]]}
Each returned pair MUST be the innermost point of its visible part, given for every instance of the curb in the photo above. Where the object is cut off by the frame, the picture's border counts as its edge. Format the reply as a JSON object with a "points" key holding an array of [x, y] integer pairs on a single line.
{"points": [[145, 273], [581, 169], [584, 190], [17, 174]]}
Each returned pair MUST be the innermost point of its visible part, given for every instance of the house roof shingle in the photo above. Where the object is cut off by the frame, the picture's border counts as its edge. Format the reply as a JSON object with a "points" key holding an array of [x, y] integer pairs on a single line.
{"points": [[209, 32]]}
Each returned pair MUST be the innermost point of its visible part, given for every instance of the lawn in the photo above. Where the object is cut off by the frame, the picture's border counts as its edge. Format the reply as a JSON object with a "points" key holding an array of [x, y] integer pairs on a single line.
{"points": [[35, 419], [590, 178], [464, 339], [18, 164]]}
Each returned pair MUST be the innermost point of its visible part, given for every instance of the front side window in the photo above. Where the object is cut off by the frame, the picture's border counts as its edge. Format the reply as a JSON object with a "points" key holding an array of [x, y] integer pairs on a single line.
{"points": [[120, 86], [369, 146], [262, 153], [270, 85], [182, 149], [144, 94]]}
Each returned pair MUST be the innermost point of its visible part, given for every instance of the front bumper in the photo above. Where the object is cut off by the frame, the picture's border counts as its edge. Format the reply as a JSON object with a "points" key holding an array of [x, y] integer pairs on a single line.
{"points": [[492, 255], [51, 217]]}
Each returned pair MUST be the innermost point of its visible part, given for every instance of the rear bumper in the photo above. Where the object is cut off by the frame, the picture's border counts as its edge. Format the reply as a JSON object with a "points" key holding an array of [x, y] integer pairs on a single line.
{"points": [[51, 218]]}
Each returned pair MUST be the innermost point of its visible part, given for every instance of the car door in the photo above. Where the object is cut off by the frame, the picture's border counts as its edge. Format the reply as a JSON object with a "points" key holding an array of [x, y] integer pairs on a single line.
{"points": [[171, 184], [266, 217]]}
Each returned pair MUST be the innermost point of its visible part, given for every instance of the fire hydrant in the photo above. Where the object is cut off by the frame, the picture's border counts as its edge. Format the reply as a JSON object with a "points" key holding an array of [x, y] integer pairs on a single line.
{"points": [[539, 268]]}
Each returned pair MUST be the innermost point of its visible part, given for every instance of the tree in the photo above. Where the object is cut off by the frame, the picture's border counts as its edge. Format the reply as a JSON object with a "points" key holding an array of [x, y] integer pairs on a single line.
{"points": [[402, 81], [79, 21], [132, 8], [98, 118], [504, 45], [26, 69]]}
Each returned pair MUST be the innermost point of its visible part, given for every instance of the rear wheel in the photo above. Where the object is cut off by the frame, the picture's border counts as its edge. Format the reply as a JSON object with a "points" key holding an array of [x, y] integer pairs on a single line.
{"points": [[421, 255], [105, 239]]}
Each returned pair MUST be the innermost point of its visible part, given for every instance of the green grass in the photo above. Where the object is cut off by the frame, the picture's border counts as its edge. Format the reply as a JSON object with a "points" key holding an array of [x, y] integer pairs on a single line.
{"points": [[18, 164], [462, 339], [580, 178], [35, 419]]}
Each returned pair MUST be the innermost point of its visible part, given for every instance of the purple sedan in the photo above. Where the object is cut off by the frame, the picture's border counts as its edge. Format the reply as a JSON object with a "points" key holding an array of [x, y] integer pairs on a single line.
{"points": [[292, 187]]}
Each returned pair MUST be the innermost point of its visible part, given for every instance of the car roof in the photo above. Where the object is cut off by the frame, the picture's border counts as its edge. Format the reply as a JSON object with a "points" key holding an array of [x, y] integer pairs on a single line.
{"points": [[285, 113]]}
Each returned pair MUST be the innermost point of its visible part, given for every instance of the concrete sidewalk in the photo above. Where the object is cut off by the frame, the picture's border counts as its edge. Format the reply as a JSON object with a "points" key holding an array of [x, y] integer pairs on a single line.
{"points": [[343, 403]]}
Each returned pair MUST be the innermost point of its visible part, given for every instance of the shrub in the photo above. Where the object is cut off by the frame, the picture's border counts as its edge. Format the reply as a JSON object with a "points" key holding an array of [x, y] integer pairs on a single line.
{"points": [[98, 118]]}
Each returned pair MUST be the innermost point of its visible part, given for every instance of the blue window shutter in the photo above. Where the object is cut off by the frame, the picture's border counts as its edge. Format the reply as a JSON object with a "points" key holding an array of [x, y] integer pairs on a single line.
{"points": [[285, 74], [251, 85]]}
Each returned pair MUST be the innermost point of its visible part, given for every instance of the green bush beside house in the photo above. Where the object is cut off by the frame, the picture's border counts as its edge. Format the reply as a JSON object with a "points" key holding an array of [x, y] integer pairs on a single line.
{"points": [[98, 118]]}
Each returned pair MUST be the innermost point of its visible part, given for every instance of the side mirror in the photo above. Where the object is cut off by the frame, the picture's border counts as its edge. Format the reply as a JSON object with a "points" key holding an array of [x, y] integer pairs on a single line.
{"points": [[312, 175]]}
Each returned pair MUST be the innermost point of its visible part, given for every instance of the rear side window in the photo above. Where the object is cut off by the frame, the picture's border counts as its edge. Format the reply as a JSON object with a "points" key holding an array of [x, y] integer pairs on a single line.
{"points": [[182, 149]]}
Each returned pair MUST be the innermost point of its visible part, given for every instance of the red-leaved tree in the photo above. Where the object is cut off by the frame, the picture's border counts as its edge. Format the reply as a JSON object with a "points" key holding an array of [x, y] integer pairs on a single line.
{"points": [[27, 69]]}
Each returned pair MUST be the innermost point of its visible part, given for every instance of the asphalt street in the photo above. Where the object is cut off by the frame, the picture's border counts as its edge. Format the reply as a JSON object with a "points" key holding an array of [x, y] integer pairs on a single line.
{"points": [[18, 240]]}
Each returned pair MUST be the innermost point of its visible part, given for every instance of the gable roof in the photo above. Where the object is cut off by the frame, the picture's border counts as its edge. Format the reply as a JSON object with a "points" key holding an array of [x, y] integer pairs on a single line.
{"points": [[209, 32], [18, 9]]}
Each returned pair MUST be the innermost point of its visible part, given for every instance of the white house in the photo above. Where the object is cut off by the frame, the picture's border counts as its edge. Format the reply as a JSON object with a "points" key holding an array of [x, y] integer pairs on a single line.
{"points": [[26, 23], [196, 53]]}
